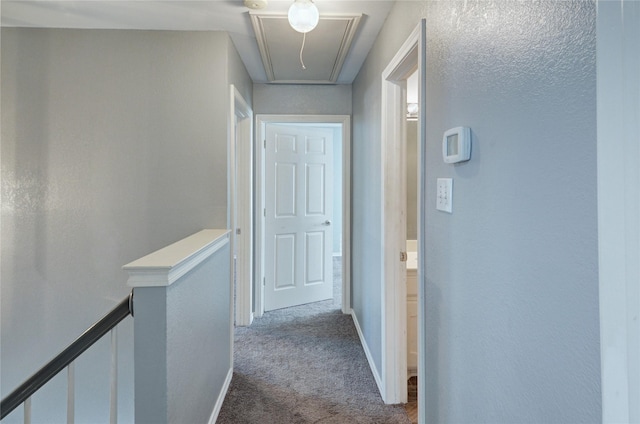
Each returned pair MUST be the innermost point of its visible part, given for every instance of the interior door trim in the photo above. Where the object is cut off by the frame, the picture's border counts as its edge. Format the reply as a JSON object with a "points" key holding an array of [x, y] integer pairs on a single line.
{"points": [[240, 208], [409, 58], [261, 121]]}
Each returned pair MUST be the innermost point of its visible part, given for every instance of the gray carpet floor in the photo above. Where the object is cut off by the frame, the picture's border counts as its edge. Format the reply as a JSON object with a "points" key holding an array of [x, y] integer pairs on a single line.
{"points": [[304, 365]]}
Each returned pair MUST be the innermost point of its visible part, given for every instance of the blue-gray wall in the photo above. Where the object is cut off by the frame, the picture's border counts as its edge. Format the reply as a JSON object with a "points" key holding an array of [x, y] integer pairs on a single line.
{"points": [[618, 30], [183, 351], [114, 144], [512, 325], [302, 99]]}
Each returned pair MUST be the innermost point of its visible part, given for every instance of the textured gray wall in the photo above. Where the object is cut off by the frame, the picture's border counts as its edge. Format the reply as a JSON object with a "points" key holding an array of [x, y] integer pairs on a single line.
{"points": [[512, 322], [199, 354], [114, 144], [237, 74], [618, 30], [183, 344], [302, 99]]}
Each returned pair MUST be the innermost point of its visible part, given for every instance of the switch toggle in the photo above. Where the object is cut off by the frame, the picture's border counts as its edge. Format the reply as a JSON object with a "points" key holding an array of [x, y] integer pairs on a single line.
{"points": [[444, 194]]}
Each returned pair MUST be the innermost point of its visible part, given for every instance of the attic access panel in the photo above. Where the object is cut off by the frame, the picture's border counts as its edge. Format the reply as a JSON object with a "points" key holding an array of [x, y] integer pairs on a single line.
{"points": [[325, 49]]}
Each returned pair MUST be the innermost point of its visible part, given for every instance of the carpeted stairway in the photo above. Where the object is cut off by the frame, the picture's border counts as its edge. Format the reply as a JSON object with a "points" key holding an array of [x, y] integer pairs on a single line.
{"points": [[304, 365]]}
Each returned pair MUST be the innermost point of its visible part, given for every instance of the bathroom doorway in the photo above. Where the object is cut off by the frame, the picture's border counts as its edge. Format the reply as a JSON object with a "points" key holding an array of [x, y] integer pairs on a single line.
{"points": [[412, 172], [412, 168], [408, 60]]}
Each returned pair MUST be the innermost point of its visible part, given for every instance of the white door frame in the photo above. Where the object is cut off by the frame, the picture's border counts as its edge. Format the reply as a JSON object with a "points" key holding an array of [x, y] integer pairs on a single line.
{"points": [[241, 202], [261, 122], [394, 294]]}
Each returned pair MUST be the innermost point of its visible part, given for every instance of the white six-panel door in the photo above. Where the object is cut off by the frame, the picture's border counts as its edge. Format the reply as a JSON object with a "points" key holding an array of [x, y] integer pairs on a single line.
{"points": [[298, 212]]}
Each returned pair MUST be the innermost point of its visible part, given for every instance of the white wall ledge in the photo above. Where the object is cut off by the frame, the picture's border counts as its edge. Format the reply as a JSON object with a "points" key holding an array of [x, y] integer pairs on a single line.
{"points": [[163, 267]]}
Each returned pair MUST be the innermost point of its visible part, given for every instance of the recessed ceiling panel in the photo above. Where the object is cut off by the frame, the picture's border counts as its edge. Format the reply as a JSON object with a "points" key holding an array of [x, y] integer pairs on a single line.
{"points": [[325, 48]]}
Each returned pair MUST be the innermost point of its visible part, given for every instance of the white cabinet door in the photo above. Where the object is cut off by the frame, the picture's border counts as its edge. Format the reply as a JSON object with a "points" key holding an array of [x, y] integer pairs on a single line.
{"points": [[298, 234]]}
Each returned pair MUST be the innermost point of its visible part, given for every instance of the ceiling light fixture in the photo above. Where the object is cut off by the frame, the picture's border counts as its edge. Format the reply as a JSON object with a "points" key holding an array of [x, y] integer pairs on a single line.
{"points": [[303, 15]]}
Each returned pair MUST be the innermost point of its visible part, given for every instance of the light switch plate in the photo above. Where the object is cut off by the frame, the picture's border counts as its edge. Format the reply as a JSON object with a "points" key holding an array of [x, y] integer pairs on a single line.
{"points": [[444, 197]]}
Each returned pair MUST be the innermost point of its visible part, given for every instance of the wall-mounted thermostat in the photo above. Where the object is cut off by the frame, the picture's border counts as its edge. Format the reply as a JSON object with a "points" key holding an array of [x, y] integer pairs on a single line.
{"points": [[456, 145]]}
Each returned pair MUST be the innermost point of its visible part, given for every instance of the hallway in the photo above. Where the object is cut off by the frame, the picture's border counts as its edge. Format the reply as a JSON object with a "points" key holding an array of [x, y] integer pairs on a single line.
{"points": [[304, 364]]}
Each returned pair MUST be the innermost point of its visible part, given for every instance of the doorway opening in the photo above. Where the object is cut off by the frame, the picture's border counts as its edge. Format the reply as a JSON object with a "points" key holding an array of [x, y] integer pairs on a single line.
{"points": [[408, 61], [283, 205], [412, 168], [240, 209]]}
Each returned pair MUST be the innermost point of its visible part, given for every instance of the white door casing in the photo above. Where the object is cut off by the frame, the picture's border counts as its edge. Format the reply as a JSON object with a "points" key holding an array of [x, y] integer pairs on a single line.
{"points": [[410, 56], [241, 203], [344, 121], [298, 213]]}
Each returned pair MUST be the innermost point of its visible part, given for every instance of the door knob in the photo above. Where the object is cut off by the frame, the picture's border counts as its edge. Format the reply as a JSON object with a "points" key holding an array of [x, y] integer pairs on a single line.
{"points": [[327, 222]]}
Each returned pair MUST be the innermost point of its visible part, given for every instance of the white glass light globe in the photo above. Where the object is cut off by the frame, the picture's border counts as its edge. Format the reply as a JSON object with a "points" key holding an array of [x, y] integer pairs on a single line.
{"points": [[303, 15]]}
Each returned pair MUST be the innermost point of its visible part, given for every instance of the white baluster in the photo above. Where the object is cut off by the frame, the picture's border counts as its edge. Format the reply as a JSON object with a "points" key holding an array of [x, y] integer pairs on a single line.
{"points": [[71, 393], [113, 415], [27, 411]]}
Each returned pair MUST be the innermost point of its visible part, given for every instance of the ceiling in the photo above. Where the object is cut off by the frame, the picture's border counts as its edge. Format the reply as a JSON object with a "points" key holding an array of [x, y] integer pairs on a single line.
{"points": [[315, 57], [231, 16]]}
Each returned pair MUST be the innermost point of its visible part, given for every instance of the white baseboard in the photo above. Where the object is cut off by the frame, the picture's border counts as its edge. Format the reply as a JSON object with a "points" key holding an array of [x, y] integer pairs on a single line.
{"points": [[221, 396], [242, 324], [367, 353]]}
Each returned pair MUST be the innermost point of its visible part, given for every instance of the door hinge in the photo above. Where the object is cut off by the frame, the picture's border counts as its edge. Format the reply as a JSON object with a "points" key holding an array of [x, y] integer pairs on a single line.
{"points": [[264, 144], [264, 281], [403, 256], [264, 212], [238, 232]]}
